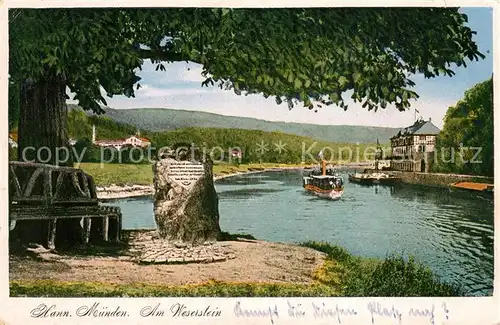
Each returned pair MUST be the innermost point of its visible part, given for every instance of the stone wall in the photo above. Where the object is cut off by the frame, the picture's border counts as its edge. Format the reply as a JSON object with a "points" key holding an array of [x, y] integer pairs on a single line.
{"points": [[416, 162], [437, 179]]}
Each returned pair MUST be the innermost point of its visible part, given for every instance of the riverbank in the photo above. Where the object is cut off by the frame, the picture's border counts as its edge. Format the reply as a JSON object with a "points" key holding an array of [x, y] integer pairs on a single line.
{"points": [[259, 268], [114, 191], [117, 181]]}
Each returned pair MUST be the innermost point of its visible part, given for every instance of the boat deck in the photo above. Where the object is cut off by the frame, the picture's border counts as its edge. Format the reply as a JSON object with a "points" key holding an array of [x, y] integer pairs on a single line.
{"points": [[480, 187]]}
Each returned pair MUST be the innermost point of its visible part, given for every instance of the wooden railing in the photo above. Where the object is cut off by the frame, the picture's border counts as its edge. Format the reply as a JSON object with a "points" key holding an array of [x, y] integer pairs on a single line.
{"points": [[47, 192]]}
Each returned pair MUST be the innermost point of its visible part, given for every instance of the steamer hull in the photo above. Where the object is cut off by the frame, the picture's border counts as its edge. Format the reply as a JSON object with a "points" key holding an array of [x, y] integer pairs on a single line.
{"points": [[324, 184]]}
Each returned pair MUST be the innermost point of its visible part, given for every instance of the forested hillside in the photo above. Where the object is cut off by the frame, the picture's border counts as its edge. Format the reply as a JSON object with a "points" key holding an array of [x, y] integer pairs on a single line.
{"points": [[172, 119]]}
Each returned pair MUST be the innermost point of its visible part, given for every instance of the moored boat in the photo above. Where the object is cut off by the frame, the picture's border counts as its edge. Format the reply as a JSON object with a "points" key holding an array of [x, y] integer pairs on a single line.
{"points": [[373, 178], [362, 179], [324, 183], [473, 187]]}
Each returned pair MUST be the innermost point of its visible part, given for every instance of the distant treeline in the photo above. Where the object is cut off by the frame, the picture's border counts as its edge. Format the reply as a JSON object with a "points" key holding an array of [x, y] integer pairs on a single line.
{"points": [[256, 146]]}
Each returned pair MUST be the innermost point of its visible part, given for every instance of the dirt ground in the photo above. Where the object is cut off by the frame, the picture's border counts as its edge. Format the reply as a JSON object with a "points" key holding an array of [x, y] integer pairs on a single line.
{"points": [[256, 261]]}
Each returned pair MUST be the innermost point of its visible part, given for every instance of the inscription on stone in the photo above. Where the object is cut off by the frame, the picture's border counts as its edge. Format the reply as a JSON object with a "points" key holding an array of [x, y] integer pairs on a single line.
{"points": [[185, 172]]}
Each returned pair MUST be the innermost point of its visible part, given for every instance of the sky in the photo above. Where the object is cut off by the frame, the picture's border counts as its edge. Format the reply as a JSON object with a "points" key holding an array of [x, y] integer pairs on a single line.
{"points": [[180, 88]]}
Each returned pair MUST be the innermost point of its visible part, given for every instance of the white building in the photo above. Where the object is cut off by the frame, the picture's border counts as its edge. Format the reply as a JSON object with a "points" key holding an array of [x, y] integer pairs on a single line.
{"points": [[134, 141], [413, 147]]}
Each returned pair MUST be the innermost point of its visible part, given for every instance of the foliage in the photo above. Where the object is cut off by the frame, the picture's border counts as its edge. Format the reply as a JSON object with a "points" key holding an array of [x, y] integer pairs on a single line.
{"points": [[14, 109], [398, 277], [12, 153], [80, 126], [468, 124], [296, 54], [337, 253], [259, 146], [392, 277], [218, 141], [225, 236]]}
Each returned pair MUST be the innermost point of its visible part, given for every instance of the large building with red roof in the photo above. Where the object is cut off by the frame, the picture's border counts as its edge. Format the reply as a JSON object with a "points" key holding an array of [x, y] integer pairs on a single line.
{"points": [[133, 141]]}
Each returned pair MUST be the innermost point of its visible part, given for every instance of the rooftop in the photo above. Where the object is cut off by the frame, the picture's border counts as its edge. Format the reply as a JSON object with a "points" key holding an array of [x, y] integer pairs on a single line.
{"points": [[420, 127]]}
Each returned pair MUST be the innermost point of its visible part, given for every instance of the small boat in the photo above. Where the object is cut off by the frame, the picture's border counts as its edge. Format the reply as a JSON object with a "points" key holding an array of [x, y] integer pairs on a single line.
{"points": [[373, 178], [359, 178], [324, 183], [473, 187]]}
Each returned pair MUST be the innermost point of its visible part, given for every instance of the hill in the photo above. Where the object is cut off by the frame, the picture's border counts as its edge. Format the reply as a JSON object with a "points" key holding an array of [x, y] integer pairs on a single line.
{"points": [[255, 145], [159, 120]]}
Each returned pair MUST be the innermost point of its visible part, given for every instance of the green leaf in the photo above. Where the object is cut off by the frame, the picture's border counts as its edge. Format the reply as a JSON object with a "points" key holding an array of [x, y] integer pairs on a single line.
{"points": [[343, 81], [290, 49], [356, 76], [297, 84]]}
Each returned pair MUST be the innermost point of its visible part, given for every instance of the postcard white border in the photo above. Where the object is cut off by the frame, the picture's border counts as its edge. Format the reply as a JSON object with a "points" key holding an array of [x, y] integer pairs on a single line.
{"points": [[481, 310]]}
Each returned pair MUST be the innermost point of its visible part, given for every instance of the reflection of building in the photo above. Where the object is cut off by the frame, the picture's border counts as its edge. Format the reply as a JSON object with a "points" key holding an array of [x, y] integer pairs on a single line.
{"points": [[132, 141], [413, 147]]}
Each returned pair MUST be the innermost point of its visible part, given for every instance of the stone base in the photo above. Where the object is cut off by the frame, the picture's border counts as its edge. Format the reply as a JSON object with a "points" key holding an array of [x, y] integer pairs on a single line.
{"points": [[149, 248]]}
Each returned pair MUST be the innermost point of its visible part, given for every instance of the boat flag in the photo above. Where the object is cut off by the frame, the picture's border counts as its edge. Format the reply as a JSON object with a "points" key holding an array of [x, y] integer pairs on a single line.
{"points": [[320, 154]]}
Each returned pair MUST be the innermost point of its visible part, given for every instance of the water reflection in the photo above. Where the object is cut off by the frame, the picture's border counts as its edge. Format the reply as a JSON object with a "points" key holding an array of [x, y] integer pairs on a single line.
{"points": [[245, 193], [450, 232]]}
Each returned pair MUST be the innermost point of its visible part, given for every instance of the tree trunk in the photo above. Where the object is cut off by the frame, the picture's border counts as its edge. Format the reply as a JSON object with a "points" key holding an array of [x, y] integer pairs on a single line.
{"points": [[43, 138], [43, 121]]}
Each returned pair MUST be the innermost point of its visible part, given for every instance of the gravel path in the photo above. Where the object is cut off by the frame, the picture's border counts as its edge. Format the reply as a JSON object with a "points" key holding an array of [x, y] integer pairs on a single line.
{"points": [[254, 261]]}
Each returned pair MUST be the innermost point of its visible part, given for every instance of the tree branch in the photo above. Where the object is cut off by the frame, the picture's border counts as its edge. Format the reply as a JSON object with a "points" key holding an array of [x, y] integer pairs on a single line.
{"points": [[168, 56]]}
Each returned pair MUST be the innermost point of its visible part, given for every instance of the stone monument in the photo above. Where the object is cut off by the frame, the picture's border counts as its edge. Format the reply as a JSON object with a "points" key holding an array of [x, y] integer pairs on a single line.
{"points": [[185, 201]]}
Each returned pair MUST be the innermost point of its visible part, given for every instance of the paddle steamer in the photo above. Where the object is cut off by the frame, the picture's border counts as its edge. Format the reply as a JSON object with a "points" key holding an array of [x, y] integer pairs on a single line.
{"points": [[325, 183]]}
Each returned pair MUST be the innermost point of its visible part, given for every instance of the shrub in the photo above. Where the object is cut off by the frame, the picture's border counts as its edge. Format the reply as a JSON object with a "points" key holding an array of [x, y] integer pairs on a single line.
{"points": [[392, 277]]}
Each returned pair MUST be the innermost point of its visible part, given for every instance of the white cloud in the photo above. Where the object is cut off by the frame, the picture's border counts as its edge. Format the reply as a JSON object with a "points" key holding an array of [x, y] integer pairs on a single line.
{"points": [[147, 91], [188, 72], [177, 72]]}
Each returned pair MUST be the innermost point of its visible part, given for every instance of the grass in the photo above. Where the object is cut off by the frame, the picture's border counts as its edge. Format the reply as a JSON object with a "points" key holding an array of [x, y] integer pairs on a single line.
{"points": [[341, 275], [51, 288], [118, 174], [142, 174], [393, 276], [225, 236]]}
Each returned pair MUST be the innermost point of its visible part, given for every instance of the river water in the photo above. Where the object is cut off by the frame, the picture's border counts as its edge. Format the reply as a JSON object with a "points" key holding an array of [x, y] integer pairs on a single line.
{"points": [[450, 232]]}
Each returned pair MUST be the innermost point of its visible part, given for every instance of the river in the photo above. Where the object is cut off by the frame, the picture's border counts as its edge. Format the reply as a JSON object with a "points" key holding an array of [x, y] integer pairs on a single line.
{"points": [[451, 233]]}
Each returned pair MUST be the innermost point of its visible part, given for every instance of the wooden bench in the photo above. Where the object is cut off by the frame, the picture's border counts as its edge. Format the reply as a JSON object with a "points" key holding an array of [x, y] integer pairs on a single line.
{"points": [[47, 192]]}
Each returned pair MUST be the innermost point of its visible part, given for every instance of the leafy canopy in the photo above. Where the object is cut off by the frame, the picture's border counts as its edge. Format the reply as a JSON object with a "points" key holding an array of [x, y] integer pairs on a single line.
{"points": [[469, 124], [311, 55]]}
